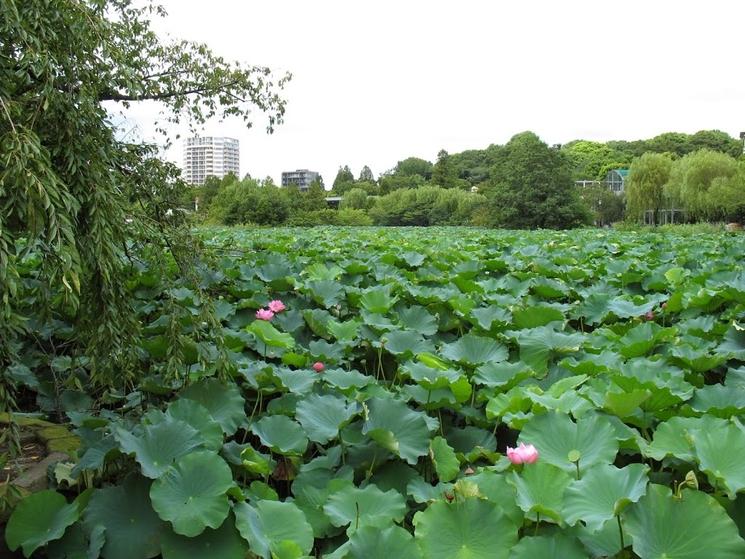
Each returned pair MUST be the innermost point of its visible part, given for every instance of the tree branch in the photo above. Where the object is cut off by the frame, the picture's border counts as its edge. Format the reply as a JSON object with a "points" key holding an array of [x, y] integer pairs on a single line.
{"points": [[116, 96]]}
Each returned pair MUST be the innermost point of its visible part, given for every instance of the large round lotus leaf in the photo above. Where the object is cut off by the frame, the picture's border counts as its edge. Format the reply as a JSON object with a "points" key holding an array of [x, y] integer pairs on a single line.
{"points": [[271, 526], [159, 445], [38, 519], [223, 401], [406, 342], [196, 415], [131, 528], [418, 318], [364, 507], [692, 527], [721, 454], [641, 339], [192, 494], [540, 490], [717, 399], [430, 378], [377, 299], [444, 459], [674, 437], [75, 545], [505, 373], [321, 416], [606, 542], [591, 440], [398, 428], [470, 529], [538, 345], [497, 489], [223, 543], [269, 335], [604, 492], [475, 350], [281, 434], [373, 543], [557, 546], [532, 317]]}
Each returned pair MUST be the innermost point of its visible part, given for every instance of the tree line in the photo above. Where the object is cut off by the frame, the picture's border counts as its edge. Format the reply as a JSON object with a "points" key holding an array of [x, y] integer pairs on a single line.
{"points": [[523, 184]]}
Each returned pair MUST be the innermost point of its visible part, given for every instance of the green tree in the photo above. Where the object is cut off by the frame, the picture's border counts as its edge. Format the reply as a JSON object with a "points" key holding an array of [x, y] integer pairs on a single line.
{"points": [[605, 206], [588, 160], [414, 166], [691, 178], [443, 172], [366, 175], [343, 181], [645, 185], [355, 199], [316, 196], [716, 140], [67, 182], [531, 186], [391, 182], [727, 195]]}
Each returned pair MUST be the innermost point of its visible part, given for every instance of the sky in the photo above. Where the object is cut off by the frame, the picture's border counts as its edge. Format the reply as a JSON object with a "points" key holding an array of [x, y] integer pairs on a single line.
{"points": [[376, 82]]}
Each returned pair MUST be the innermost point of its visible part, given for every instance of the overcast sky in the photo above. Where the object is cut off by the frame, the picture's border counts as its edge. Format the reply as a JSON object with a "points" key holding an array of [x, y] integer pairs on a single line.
{"points": [[375, 82]]}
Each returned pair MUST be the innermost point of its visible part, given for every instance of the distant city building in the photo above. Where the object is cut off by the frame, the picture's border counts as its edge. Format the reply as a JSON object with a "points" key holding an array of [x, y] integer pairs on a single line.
{"points": [[302, 178], [210, 156]]}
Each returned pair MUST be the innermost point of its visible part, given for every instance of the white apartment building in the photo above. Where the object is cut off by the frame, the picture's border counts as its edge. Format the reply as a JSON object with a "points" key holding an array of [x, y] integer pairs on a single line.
{"points": [[210, 156]]}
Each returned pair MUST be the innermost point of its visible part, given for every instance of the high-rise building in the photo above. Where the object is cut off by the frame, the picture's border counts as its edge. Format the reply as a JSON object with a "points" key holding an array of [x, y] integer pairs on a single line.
{"points": [[302, 178], [209, 156]]}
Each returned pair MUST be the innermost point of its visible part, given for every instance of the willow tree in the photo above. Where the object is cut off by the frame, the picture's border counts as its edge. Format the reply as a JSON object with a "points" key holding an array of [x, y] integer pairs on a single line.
{"points": [[692, 178], [72, 194], [645, 186]]}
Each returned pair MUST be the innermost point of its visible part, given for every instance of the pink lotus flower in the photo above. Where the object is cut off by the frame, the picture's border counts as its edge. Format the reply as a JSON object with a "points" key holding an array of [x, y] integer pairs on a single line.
{"points": [[649, 315], [318, 367], [523, 454], [264, 314], [276, 306]]}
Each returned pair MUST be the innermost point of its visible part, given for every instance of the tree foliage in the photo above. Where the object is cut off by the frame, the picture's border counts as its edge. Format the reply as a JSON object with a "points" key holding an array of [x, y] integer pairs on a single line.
{"points": [[366, 175], [531, 187], [590, 160], [443, 172], [605, 206], [72, 192], [355, 199], [414, 166], [426, 205], [645, 184], [691, 178], [343, 180], [727, 195]]}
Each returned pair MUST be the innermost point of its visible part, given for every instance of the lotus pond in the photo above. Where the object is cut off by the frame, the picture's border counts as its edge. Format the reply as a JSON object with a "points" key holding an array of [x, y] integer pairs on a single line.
{"points": [[371, 417]]}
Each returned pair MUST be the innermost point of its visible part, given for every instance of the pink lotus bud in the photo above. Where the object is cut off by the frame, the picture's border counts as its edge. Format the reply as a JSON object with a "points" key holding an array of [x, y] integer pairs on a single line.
{"points": [[469, 471], [276, 306], [264, 314], [318, 367], [649, 315], [664, 305], [523, 454]]}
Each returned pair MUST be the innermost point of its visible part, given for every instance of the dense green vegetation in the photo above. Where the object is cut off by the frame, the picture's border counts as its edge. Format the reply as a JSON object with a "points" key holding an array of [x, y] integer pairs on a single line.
{"points": [[72, 193], [352, 392], [371, 415], [523, 184]]}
